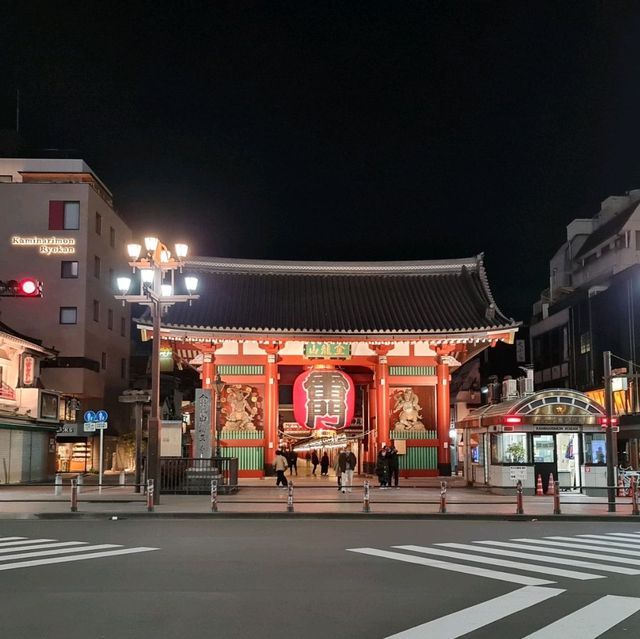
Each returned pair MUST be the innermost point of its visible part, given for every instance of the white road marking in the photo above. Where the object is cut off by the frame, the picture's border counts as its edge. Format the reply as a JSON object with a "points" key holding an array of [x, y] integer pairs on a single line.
{"points": [[592, 620], [564, 561], [2, 539], [24, 541], [445, 565], [518, 565], [632, 535], [464, 621], [58, 551], [57, 544], [572, 546], [563, 552], [595, 539], [609, 538], [61, 560]]}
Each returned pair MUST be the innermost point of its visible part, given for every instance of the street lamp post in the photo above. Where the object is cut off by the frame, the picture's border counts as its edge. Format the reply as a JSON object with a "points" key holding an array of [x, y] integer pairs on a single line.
{"points": [[157, 291], [219, 386]]}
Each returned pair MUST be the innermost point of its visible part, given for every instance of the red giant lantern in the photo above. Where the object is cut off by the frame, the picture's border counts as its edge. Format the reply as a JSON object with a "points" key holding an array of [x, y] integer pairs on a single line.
{"points": [[323, 398]]}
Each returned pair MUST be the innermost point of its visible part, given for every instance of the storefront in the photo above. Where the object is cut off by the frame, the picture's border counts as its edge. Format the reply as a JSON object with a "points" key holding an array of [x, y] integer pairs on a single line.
{"points": [[368, 346], [552, 433], [74, 449]]}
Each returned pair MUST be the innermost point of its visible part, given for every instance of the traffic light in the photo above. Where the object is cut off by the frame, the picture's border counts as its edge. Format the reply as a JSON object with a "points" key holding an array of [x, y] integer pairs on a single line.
{"points": [[26, 287]]}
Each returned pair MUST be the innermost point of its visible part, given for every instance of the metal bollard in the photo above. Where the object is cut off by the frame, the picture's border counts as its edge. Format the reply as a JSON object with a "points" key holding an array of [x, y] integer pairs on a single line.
{"points": [[57, 491], [556, 498], [634, 496], [519, 507], [290, 498], [74, 496], [366, 500], [80, 480], [123, 478], [214, 495], [150, 489], [443, 497]]}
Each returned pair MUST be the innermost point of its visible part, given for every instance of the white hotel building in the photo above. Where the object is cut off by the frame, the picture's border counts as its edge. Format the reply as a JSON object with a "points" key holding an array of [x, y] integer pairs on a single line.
{"points": [[59, 226]]}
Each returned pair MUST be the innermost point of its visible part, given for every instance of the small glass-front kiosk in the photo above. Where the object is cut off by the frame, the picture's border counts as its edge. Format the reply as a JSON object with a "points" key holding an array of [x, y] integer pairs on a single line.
{"points": [[555, 433]]}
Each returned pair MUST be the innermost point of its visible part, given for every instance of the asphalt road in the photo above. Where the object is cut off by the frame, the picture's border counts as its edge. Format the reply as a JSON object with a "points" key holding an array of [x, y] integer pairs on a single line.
{"points": [[298, 578]]}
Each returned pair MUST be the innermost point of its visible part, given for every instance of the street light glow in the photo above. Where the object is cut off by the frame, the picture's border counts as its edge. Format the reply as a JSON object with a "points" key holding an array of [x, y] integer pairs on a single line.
{"points": [[181, 250], [134, 251], [147, 275], [165, 255], [191, 283], [123, 284], [151, 243], [167, 290]]}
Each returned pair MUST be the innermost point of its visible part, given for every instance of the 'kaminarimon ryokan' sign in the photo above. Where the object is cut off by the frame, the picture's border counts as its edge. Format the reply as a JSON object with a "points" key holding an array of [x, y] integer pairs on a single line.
{"points": [[323, 399]]}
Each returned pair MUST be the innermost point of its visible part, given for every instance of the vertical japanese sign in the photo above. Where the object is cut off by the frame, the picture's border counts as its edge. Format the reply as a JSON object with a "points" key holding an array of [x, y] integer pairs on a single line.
{"points": [[203, 423], [28, 370]]}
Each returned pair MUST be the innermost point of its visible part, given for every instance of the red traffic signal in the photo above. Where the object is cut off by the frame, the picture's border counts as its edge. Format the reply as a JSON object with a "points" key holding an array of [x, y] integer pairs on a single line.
{"points": [[29, 287]]}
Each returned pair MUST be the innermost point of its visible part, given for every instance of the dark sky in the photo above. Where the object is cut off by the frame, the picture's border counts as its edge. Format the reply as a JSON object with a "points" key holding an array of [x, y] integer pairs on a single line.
{"points": [[341, 130]]}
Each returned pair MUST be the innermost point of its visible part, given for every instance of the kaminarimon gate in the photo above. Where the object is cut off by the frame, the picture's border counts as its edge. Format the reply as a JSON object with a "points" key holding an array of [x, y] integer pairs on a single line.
{"points": [[353, 351]]}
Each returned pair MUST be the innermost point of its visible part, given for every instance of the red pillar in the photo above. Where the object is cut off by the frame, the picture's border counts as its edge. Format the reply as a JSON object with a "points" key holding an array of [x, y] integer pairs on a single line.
{"points": [[382, 394], [271, 438], [443, 418], [208, 376]]}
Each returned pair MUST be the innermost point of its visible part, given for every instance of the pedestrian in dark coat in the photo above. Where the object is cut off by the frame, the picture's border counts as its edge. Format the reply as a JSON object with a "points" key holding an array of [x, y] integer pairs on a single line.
{"points": [[324, 464], [394, 464], [382, 468], [315, 461], [293, 463]]}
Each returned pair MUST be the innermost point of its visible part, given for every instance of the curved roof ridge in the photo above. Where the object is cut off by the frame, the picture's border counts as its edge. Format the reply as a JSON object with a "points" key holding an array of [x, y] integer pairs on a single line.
{"points": [[236, 265], [482, 272]]}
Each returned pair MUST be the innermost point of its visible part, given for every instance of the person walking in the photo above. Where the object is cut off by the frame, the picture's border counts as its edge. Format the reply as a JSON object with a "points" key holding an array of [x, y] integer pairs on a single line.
{"points": [[394, 465], [382, 468], [280, 465], [315, 461], [293, 463], [336, 467], [324, 465], [347, 462]]}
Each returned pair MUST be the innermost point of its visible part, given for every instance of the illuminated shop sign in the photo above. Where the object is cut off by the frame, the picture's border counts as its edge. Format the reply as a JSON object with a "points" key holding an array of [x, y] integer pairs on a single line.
{"points": [[323, 398], [51, 245], [327, 350]]}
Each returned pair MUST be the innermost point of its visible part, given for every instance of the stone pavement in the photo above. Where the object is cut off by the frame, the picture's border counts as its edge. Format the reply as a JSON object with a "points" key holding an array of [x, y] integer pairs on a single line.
{"points": [[312, 496]]}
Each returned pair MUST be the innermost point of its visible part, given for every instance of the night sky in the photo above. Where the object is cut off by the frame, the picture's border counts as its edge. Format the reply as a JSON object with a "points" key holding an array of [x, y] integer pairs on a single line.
{"points": [[340, 130]]}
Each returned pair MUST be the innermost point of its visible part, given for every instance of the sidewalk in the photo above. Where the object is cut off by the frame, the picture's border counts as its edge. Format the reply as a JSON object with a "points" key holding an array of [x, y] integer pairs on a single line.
{"points": [[312, 497]]}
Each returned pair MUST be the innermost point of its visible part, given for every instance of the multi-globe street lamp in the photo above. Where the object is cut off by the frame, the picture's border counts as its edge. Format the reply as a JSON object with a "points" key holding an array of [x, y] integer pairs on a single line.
{"points": [[157, 267]]}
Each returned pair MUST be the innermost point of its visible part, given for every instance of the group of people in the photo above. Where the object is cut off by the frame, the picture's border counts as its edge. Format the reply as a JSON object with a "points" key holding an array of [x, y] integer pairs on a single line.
{"points": [[388, 466]]}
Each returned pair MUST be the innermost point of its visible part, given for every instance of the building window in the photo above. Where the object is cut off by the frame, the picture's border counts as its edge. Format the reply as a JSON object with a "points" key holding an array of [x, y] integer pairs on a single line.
{"points": [[123, 326], [637, 240], [585, 343], [98, 223], [96, 267], [112, 237], [96, 311], [68, 269], [509, 449], [68, 315], [103, 361], [110, 319], [123, 368], [64, 216]]}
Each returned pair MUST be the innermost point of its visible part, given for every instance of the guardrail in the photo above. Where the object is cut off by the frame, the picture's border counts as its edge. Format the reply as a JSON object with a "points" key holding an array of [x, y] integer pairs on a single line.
{"points": [[194, 475]]}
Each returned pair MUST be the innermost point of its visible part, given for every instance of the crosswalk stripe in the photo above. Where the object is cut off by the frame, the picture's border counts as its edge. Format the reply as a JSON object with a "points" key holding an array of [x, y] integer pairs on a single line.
{"points": [[632, 535], [61, 560], [57, 544], [574, 546], [564, 561], [631, 542], [24, 541], [464, 621], [518, 565], [446, 565], [595, 539], [592, 620], [58, 551], [2, 539], [563, 551]]}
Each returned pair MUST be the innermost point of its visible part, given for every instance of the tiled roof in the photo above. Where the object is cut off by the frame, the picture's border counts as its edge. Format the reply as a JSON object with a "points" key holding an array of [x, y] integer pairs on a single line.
{"points": [[426, 297], [607, 231]]}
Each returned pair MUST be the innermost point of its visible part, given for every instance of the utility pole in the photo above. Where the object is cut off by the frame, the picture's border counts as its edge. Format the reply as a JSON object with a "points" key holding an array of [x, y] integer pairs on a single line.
{"points": [[612, 444]]}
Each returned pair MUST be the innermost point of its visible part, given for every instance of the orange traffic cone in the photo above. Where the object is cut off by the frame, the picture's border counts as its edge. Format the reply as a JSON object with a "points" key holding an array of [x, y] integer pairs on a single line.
{"points": [[539, 492], [552, 485]]}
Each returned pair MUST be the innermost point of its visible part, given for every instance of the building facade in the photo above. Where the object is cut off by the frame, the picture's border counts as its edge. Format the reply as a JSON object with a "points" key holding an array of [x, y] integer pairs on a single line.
{"points": [[59, 226], [334, 353]]}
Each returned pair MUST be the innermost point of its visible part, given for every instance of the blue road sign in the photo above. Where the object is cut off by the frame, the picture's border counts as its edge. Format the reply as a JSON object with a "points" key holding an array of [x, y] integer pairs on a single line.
{"points": [[89, 416], [102, 416]]}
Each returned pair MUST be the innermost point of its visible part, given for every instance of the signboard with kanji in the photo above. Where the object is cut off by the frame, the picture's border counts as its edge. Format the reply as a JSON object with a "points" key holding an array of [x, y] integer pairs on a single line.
{"points": [[327, 350], [202, 431]]}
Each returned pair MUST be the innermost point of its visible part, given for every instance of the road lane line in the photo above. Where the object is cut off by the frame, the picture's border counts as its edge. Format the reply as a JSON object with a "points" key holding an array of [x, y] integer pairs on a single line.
{"points": [[595, 539], [23, 542], [62, 560], [464, 621], [564, 561], [446, 565], [58, 551], [563, 551], [518, 565], [57, 544], [592, 620], [573, 546]]}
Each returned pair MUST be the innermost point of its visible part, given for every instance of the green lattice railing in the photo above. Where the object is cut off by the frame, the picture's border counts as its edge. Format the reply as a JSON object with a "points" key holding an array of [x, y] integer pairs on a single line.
{"points": [[413, 434], [412, 371]]}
